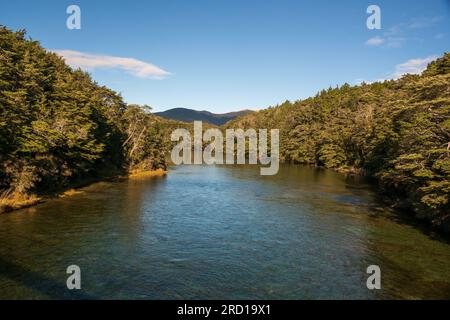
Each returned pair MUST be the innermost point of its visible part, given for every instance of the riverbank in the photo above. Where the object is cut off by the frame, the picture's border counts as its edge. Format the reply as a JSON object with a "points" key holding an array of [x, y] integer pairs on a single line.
{"points": [[144, 174], [11, 202], [14, 201]]}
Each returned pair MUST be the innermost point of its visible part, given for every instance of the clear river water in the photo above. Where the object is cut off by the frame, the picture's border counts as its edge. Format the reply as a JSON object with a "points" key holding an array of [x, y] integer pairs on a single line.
{"points": [[221, 232]]}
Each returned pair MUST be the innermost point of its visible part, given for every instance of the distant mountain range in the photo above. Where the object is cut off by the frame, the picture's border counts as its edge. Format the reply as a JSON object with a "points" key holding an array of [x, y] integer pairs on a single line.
{"points": [[189, 115]]}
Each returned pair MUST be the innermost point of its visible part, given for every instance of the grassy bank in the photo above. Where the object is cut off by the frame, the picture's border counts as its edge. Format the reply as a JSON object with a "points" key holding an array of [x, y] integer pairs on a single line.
{"points": [[148, 173], [11, 201]]}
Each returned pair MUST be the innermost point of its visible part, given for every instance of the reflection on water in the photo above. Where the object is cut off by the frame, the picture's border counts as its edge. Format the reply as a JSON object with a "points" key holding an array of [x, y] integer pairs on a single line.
{"points": [[221, 232]]}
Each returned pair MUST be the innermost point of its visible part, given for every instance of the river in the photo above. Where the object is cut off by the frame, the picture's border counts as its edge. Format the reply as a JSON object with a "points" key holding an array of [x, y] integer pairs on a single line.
{"points": [[221, 232]]}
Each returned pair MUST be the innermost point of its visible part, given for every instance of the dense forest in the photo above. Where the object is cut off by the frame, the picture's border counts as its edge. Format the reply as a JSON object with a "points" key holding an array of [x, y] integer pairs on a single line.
{"points": [[58, 127], [397, 132]]}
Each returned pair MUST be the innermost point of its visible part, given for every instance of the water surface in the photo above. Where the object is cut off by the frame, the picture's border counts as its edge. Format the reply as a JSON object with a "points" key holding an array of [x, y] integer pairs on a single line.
{"points": [[220, 233]]}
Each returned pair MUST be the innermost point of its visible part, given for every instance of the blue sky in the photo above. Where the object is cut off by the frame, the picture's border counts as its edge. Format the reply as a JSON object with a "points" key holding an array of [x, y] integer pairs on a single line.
{"points": [[226, 55]]}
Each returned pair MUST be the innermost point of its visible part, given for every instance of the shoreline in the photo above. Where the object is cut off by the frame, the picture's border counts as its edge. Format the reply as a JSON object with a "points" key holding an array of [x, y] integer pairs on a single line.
{"points": [[147, 173], [16, 202]]}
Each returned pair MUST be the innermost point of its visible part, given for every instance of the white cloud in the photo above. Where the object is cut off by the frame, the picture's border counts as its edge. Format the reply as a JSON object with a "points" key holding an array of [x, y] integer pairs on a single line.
{"points": [[376, 41], [135, 67], [395, 42], [413, 66]]}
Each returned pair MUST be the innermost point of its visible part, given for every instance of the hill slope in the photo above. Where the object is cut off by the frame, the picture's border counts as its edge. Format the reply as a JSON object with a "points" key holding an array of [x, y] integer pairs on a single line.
{"points": [[189, 115]]}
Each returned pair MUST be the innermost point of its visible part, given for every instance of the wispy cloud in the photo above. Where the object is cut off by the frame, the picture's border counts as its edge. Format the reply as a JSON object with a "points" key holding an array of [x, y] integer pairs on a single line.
{"points": [[412, 66], [419, 23], [375, 41], [87, 61], [397, 35], [386, 41]]}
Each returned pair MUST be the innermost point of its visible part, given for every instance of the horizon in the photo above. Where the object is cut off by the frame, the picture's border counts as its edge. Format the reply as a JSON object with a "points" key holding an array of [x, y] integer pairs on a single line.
{"points": [[205, 56]]}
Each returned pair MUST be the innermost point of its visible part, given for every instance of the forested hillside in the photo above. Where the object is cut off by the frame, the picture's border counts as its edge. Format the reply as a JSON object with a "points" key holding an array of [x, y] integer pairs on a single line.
{"points": [[58, 127], [396, 131]]}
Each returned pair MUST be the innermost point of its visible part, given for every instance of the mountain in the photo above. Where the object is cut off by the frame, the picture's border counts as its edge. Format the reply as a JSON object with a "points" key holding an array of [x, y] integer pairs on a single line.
{"points": [[189, 115]]}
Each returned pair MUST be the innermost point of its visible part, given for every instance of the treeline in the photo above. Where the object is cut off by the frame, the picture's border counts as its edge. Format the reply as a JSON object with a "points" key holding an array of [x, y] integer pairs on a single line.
{"points": [[396, 131], [58, 127]]}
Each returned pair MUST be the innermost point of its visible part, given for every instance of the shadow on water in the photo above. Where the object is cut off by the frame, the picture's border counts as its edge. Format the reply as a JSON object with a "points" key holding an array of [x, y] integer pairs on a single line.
{"points": [[40, 283], [32, 263], [381, 206], [407, 218]]}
